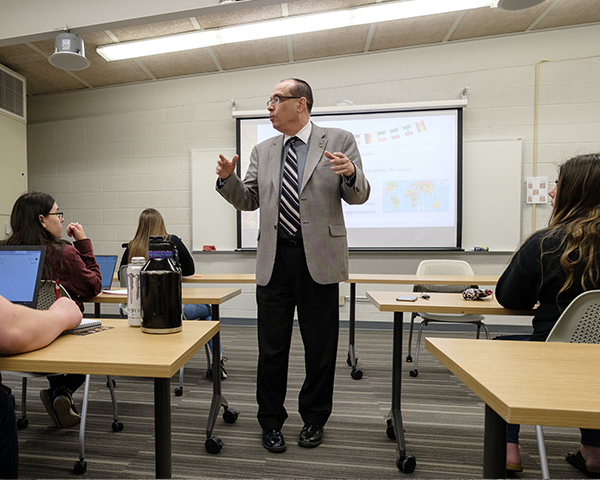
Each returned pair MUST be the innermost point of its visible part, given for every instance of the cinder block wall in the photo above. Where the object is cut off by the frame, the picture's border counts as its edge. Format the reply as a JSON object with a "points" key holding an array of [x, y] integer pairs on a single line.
{"points": [[106, 154]]}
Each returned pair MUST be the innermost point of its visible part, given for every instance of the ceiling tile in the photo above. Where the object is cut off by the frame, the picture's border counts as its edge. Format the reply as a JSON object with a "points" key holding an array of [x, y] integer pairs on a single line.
{"points": [[14, 56], [153, 30], [102, 73], [180, 63], [571, 12], [311, 6], [483, 22], [341, 41], [42, 77], [411, 31], [237, 17], [112, 73], [252, 54]]}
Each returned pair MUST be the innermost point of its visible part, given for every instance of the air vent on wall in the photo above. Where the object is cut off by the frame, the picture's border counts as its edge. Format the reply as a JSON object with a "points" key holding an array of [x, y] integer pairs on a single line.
{"points": [[12, 94]]}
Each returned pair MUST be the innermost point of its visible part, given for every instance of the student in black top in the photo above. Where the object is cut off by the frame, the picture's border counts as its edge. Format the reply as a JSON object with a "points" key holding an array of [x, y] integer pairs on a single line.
{"points": [[552, 267], [151, 223]]}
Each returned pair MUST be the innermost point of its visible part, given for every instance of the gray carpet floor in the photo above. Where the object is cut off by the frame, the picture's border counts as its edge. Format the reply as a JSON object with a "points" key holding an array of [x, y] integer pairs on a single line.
{"points": [[443, 421]]}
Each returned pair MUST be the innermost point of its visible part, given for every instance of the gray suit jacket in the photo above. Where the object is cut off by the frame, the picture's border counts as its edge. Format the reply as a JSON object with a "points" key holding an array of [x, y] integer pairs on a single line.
{"points": [[321, 192]]}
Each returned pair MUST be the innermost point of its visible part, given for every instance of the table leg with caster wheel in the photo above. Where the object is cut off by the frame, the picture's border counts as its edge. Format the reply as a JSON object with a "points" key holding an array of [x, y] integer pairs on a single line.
{"points": [[405, 463], [352, 361], [213, 443]]}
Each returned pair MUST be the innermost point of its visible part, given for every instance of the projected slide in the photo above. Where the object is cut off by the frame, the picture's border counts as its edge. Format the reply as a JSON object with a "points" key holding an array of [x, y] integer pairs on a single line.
{"points": [[411, 160]]}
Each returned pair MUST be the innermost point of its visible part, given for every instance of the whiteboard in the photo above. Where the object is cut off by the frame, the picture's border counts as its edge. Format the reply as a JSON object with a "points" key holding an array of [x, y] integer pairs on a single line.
{"points": [[214, 220], [492, 190], [492, 198]]}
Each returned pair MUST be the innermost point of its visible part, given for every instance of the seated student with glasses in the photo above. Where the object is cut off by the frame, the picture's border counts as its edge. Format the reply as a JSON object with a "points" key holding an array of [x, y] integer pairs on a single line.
{"points": [[35, 220]]}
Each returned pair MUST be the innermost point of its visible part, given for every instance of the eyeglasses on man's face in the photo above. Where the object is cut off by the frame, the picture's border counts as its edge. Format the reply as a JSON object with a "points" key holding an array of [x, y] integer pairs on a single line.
{"points": [[60, 215], [277, 99]]}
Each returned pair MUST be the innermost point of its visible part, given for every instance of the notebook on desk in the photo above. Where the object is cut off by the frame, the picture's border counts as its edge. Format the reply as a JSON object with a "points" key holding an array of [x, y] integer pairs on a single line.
{"points": [[21, 273], [85, 325], [107, 264]]}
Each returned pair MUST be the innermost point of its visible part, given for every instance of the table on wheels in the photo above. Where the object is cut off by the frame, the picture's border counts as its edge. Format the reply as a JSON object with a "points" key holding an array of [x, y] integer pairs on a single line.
{"points": [[391, 279], [126, 351], [437, 303], [212, 296]]}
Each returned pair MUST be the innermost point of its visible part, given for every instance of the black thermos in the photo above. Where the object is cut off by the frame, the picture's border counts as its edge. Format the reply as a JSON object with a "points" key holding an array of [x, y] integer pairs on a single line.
{"points": [[160, 283]]}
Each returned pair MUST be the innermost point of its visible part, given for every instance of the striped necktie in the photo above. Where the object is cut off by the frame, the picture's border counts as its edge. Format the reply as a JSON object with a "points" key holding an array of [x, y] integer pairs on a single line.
{"points": [[289, 210]]}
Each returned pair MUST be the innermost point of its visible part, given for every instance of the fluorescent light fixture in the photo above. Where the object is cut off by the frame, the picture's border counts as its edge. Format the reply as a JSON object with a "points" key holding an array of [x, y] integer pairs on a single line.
{"points": [[380, 12]]}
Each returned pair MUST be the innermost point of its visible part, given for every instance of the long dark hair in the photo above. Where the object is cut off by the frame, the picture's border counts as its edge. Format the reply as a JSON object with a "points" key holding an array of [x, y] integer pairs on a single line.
{"points": [[28, 230], [576, 220]]}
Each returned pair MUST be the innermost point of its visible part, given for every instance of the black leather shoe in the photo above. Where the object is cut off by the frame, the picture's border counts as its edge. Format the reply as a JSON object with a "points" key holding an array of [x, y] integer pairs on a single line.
{"points": [[311, 436], [273, 441]]}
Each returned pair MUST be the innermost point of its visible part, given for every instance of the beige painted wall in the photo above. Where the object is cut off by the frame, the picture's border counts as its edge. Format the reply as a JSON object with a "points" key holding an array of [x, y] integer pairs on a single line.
{"points": [[13, 158]]}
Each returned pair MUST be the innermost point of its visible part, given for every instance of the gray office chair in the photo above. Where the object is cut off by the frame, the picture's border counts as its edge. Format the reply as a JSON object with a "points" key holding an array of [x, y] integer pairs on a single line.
{"points": [[47, 297], [579, 323], [441, 267], [123, 309]]}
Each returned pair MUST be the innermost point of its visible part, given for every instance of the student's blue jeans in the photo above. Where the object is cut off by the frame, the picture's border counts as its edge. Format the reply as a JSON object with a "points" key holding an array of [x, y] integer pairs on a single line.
{"points": [[589, 437], [199, 312], [9, 445]]}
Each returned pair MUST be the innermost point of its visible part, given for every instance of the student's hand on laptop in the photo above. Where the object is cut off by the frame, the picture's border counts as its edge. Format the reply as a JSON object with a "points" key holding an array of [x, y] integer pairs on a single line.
{"points": [[76, 231], [68, 310]]}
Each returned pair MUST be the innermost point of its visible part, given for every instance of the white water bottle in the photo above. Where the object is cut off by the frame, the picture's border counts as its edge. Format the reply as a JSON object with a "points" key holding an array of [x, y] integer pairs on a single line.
{"points": [[134, 303]]}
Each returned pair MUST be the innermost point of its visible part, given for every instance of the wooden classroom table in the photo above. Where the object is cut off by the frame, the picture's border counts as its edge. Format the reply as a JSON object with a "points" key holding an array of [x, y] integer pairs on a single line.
{"points": [[437, 303], [126, 351], [529, 383], [390, 279], [197, 278], [212, 296], [221, 278]]}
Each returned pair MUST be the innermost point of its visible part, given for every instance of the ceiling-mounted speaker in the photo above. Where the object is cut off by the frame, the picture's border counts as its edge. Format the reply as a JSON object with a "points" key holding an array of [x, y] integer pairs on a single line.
{"points": [[69, 53], [514, 5]]}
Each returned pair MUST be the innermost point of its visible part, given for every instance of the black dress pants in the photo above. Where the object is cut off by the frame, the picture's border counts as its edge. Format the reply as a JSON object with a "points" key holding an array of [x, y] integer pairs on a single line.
{"points": [[291, 287]]}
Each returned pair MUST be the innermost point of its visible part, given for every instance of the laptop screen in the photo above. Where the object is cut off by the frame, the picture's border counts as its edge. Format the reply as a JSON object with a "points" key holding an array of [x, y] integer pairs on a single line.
{"points": [[20, 273], [107, 265]]}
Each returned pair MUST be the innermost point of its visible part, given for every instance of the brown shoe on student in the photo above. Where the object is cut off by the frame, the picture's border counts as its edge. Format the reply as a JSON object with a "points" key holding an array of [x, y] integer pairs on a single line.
{"points": [[46, 397], [65, 410]]}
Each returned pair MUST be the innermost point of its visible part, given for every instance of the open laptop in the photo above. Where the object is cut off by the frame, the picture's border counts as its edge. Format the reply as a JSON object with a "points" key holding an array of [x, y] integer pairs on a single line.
{"points": [[107, 264], [21, 272]]}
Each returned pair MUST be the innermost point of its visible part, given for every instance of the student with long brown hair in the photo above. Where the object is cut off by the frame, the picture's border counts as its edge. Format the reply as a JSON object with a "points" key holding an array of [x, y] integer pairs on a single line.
{"points": [[553, 267], [151, 223]]}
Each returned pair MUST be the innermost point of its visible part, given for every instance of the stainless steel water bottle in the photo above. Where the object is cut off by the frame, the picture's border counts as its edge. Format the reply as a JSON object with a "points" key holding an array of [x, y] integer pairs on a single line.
{"points": [[134, 302], [161, 288]]}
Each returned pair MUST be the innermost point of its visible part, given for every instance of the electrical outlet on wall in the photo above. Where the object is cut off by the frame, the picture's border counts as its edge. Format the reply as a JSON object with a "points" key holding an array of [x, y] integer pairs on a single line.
{"points": [[342, 300], [7, 229]]}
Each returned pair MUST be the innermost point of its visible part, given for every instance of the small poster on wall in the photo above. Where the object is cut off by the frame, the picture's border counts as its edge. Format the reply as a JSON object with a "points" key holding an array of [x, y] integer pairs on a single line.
{"points": [[537, 190]]}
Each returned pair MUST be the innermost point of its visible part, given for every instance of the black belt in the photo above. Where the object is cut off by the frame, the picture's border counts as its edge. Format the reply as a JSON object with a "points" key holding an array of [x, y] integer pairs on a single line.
{"points": [[290, 242]]}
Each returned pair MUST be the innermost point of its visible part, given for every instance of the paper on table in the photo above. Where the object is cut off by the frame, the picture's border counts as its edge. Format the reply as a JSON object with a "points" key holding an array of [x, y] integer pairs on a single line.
{"points": [[118, 291]]}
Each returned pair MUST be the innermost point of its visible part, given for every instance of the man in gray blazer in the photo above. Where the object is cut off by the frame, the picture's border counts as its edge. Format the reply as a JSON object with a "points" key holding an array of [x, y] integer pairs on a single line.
{"points": [[300, 261]]}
